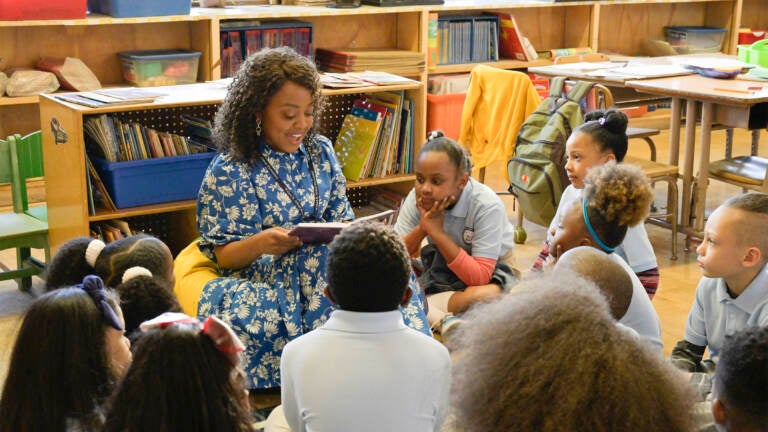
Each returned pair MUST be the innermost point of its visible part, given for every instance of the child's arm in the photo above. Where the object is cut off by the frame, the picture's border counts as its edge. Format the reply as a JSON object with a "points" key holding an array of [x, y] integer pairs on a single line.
{"points": [[472, 270], [687, 356]]}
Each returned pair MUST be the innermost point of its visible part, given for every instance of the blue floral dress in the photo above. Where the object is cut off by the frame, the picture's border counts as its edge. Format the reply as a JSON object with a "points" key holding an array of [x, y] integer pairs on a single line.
{"points": [[278, 297]]}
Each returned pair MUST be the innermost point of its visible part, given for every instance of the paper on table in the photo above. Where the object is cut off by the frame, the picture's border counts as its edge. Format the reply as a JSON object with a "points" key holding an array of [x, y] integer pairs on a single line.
{"points": [[642, 71]]}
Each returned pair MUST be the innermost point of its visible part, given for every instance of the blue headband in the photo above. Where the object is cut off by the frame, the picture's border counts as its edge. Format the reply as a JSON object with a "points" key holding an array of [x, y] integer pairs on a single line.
{"points": [[591, 230], [94, 286]]}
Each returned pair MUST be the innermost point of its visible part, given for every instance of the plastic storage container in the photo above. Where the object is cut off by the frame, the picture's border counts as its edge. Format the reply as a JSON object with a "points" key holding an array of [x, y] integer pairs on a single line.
{"points": [[16, 10], [756, 54], [748, 36], [160, 67], [153, 181], [444, 113], [139, 8], [686, 40]]}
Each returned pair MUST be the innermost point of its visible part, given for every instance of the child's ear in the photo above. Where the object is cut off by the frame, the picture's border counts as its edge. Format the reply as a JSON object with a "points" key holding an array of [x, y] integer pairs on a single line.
{"points": [[718, 411], [407, 294], [463, 180], [329, 296], [752, 256]]}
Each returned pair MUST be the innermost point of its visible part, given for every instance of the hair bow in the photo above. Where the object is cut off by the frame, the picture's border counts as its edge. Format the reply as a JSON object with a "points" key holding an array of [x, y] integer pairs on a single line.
{"points": [[94, 286], [135, 271], [93, 251]]}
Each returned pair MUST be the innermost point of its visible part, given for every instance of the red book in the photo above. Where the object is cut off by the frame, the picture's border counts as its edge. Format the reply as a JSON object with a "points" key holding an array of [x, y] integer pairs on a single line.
{"points": [[511, 45]]}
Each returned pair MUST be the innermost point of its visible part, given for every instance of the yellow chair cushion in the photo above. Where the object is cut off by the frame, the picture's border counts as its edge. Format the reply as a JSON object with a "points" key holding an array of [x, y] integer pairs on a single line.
{"points": [[193, 270], [743, 169]]}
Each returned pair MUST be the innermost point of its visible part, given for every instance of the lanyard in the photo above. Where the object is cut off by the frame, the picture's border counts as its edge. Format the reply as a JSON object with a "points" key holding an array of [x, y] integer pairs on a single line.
{"points": [[290, 194]]}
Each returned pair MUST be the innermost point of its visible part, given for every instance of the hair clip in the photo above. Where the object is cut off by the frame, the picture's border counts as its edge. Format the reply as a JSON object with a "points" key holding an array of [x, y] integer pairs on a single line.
{"points": [[94, 287], [437, 133], [224, 338], [93, 251], [135, 271], [601, 121], [166, 319]]}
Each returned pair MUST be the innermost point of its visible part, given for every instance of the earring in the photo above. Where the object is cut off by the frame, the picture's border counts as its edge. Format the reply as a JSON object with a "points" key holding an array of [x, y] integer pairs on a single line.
{"points": [[258, 127]]}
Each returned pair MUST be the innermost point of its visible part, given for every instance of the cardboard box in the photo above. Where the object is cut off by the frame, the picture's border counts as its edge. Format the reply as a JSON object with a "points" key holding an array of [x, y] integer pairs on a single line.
{"points": [[152, 181]]}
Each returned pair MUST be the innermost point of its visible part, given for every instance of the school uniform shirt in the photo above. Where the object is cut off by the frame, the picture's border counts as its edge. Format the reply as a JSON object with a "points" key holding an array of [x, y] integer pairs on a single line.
{"points": [[715, 313], [278, 297], [477, 223], [636, 249], [640, 316], [365, 372]]}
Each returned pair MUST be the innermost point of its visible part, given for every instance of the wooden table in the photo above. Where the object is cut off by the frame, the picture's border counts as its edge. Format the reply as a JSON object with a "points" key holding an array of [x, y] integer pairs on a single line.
{"points": [[727, 102]]}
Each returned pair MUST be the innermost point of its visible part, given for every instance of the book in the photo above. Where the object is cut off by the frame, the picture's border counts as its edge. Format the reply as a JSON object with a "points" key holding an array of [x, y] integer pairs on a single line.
{"points": [[324, 232], [356, 144], [100, 192], [110, 97], [433, 47], [381, 78], [510, 38]]}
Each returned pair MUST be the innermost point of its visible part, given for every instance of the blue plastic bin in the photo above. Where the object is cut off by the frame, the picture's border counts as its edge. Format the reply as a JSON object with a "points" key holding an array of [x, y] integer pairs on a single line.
{"points": [[139, 8], [152, 181]]}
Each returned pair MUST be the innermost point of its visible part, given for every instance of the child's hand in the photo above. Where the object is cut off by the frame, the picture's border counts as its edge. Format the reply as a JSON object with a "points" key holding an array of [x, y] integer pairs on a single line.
{"points": [[276, 241], [432, 218]]}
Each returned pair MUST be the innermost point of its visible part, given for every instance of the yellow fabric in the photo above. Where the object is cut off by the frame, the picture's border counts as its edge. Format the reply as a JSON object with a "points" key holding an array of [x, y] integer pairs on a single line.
{"points": [[193, 270], [498, 102]]}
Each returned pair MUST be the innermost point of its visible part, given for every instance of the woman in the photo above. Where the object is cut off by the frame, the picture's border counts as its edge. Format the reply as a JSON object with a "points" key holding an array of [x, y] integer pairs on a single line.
{"points": [[272, 173]]}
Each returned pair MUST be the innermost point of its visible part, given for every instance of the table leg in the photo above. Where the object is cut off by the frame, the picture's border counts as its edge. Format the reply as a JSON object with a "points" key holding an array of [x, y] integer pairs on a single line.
{"points": [[674, 131], [690, 144], [700, 190]]}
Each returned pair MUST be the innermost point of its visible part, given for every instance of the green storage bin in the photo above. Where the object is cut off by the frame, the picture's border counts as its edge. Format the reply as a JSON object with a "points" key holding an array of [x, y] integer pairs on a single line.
{"points": [[756, 54]]}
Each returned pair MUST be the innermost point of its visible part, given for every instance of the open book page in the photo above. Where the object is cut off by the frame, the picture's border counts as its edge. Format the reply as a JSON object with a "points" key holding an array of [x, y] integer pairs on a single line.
{"points": [[324, 232]]}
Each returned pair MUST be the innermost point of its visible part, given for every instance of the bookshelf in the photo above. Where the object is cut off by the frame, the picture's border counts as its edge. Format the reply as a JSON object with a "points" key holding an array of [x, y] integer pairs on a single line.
{"points": [[174, 222]]}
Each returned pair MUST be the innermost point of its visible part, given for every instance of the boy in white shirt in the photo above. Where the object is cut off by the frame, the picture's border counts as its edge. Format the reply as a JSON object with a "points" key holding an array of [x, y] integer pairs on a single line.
{"points": [[364, 369]]}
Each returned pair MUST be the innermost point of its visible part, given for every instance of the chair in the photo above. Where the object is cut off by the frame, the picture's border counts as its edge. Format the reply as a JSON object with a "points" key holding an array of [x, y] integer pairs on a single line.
{"points": [[747, 172], [30, 152], [19, 230]]}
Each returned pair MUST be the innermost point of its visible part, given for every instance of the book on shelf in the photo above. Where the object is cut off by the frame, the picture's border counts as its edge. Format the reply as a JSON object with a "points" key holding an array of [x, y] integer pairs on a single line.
{"points": [[98, 189], [111, 97], [356, 144], [324, 232], [357, 60], [511, 39], [433, 43], [381, 78]]}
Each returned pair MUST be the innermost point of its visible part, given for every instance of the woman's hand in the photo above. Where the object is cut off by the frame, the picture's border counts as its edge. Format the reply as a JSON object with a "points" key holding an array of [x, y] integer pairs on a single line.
{"points": [[277, 241], [432, 218]]}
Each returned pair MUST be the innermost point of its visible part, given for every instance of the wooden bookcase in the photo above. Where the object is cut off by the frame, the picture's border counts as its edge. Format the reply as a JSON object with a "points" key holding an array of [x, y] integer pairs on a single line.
{"points": [[174, 222], [607, 25]]}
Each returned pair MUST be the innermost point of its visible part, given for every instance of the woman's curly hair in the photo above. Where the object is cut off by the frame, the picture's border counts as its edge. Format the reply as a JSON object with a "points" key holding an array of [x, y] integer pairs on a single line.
{"points": [[618, 196], [261, 76]]}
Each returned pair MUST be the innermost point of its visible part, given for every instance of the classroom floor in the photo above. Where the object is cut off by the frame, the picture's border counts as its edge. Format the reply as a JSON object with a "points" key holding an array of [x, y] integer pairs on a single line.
{"points": [[672, 301]]}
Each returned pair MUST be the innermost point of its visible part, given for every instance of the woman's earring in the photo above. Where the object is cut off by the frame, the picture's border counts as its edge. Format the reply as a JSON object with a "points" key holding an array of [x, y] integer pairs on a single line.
{"points": [[258, 127]]}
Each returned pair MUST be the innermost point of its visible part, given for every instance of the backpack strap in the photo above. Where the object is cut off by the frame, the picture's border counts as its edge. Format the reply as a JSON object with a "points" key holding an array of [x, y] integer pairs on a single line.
{"points": [[556, 86], [579, 90]]}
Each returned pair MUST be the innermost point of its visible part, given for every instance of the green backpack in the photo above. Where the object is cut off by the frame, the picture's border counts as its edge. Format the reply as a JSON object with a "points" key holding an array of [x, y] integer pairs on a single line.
{"points": [[537, 171]]}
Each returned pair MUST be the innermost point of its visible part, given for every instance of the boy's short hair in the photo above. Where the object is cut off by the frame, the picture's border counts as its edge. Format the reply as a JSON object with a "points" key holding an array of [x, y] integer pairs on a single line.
{"points": [[368, 268], [753, 228], [741, 377]]}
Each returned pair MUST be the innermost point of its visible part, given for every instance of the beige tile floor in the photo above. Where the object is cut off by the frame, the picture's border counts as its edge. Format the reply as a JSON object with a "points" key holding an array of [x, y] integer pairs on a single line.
{"points": [[678, 278]]}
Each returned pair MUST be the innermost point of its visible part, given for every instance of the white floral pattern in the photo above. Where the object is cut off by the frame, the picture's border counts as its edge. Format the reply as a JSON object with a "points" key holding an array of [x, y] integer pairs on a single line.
{"points": [[277, 298]]}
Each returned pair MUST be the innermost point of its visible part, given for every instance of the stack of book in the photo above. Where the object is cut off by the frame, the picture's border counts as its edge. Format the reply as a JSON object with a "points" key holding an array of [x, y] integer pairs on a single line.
{"points": [[358, 60], [111, 97], [376, 137], [114, 140], [462, 39]]}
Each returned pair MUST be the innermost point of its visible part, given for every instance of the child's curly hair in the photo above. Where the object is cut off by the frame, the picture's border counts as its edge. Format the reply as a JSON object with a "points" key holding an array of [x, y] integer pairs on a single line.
{"points": [[261, 76], [617, 197]]}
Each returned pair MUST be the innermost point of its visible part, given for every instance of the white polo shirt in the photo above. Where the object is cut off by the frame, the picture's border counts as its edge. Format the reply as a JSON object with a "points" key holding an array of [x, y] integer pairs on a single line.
{"points": [[365, 372]]}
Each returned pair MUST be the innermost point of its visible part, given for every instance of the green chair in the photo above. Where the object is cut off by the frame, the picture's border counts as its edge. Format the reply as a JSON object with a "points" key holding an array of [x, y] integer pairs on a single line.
{"points": [[19, 230], [30, 152]]}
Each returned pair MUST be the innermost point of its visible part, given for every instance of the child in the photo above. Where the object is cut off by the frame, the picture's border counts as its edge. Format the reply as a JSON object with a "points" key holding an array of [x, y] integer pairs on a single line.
{"points": [[603, 138], [364, 369], [145, 291], [548, 357], [69, 352], [733, 290], [615, 198], [741, 382], [184, 377], [466, 225]]}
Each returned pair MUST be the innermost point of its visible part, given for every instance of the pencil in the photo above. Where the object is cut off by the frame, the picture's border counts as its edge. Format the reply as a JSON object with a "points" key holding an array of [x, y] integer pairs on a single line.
{"points": [[732, 90]]}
